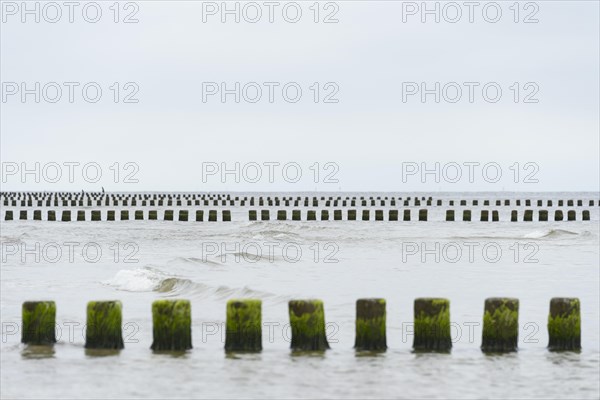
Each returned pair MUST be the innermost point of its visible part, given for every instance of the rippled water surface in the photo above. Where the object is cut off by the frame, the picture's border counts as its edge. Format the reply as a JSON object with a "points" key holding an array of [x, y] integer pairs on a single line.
{"points": [[336, 261]]}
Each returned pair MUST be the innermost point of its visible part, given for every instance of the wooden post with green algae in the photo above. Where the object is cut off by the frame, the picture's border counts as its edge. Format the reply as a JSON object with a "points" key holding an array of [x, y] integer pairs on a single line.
{"points": [[104, 325], [564, 324], [432, 325], [370, 325], [39, 323], [171, 325], [307, 319], [244, 326], [500, 325]]}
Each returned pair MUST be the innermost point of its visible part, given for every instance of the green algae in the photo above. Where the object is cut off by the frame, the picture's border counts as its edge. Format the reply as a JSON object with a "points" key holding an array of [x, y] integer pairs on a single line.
{"points": [[171, 325], [370, 325], [104, 322], [307, 319], [432, 325], [564, 324], [39, 323], [244, 326], [500, 325]]}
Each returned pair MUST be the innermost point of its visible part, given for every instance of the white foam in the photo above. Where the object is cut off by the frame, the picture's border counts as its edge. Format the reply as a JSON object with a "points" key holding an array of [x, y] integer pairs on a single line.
{"points": [[137, 280]]}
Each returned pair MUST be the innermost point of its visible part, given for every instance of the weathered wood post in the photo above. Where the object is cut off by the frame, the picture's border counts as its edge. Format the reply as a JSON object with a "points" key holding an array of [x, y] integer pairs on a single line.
{"points": [[467, 215], [171, 325], [104, 322], [184, 215], [370, 325], [485, 216], [564, 324], [244, 326], [96, 215], [514, 216], [500, 325], [39, 323], [432, 325], [264, 215], [66, 216], [307, 320], [252, 215]]}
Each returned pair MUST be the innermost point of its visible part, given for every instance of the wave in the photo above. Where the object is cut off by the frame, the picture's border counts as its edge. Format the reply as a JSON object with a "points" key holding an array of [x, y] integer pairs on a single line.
{"points": [[144, 279], [196, 260], [13, 239], [553, 233], [541, 234], [148, 279]]}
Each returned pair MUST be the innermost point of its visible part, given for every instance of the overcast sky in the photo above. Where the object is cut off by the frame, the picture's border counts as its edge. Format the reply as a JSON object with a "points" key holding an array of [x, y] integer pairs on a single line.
{"points": [[370, 128]]}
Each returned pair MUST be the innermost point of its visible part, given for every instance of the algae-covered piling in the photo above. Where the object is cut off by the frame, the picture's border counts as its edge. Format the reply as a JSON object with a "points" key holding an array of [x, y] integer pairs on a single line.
{"points": [[432, 325], [226, 215], [171, 325], [370, 325], [564, 324], [307, 319], [500, 325], [104, 322], [243, 329], [39, 322]]}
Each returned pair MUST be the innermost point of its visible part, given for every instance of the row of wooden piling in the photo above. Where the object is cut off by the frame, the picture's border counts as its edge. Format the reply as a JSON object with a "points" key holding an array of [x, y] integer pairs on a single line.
{"points": [[172, 325], [277, 203], [125, 215], [296, 215], [422, 215]]}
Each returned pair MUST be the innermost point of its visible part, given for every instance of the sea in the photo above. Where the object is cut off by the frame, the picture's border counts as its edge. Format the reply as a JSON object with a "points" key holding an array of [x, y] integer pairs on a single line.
{"points": [[209, 263]]}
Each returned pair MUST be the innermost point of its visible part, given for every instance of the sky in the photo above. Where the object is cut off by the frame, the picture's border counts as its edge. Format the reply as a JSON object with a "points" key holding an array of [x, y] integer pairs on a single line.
{"points": [[300, 96]]}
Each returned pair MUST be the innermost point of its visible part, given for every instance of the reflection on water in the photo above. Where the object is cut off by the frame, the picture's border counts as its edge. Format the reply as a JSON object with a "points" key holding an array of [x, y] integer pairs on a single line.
{"points": [[35, 352], [102, 352], [170, 354], [231, 355]]}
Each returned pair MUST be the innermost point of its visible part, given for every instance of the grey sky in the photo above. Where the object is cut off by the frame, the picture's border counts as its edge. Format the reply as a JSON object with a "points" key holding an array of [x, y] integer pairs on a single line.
{"points": [[365, 57]]}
